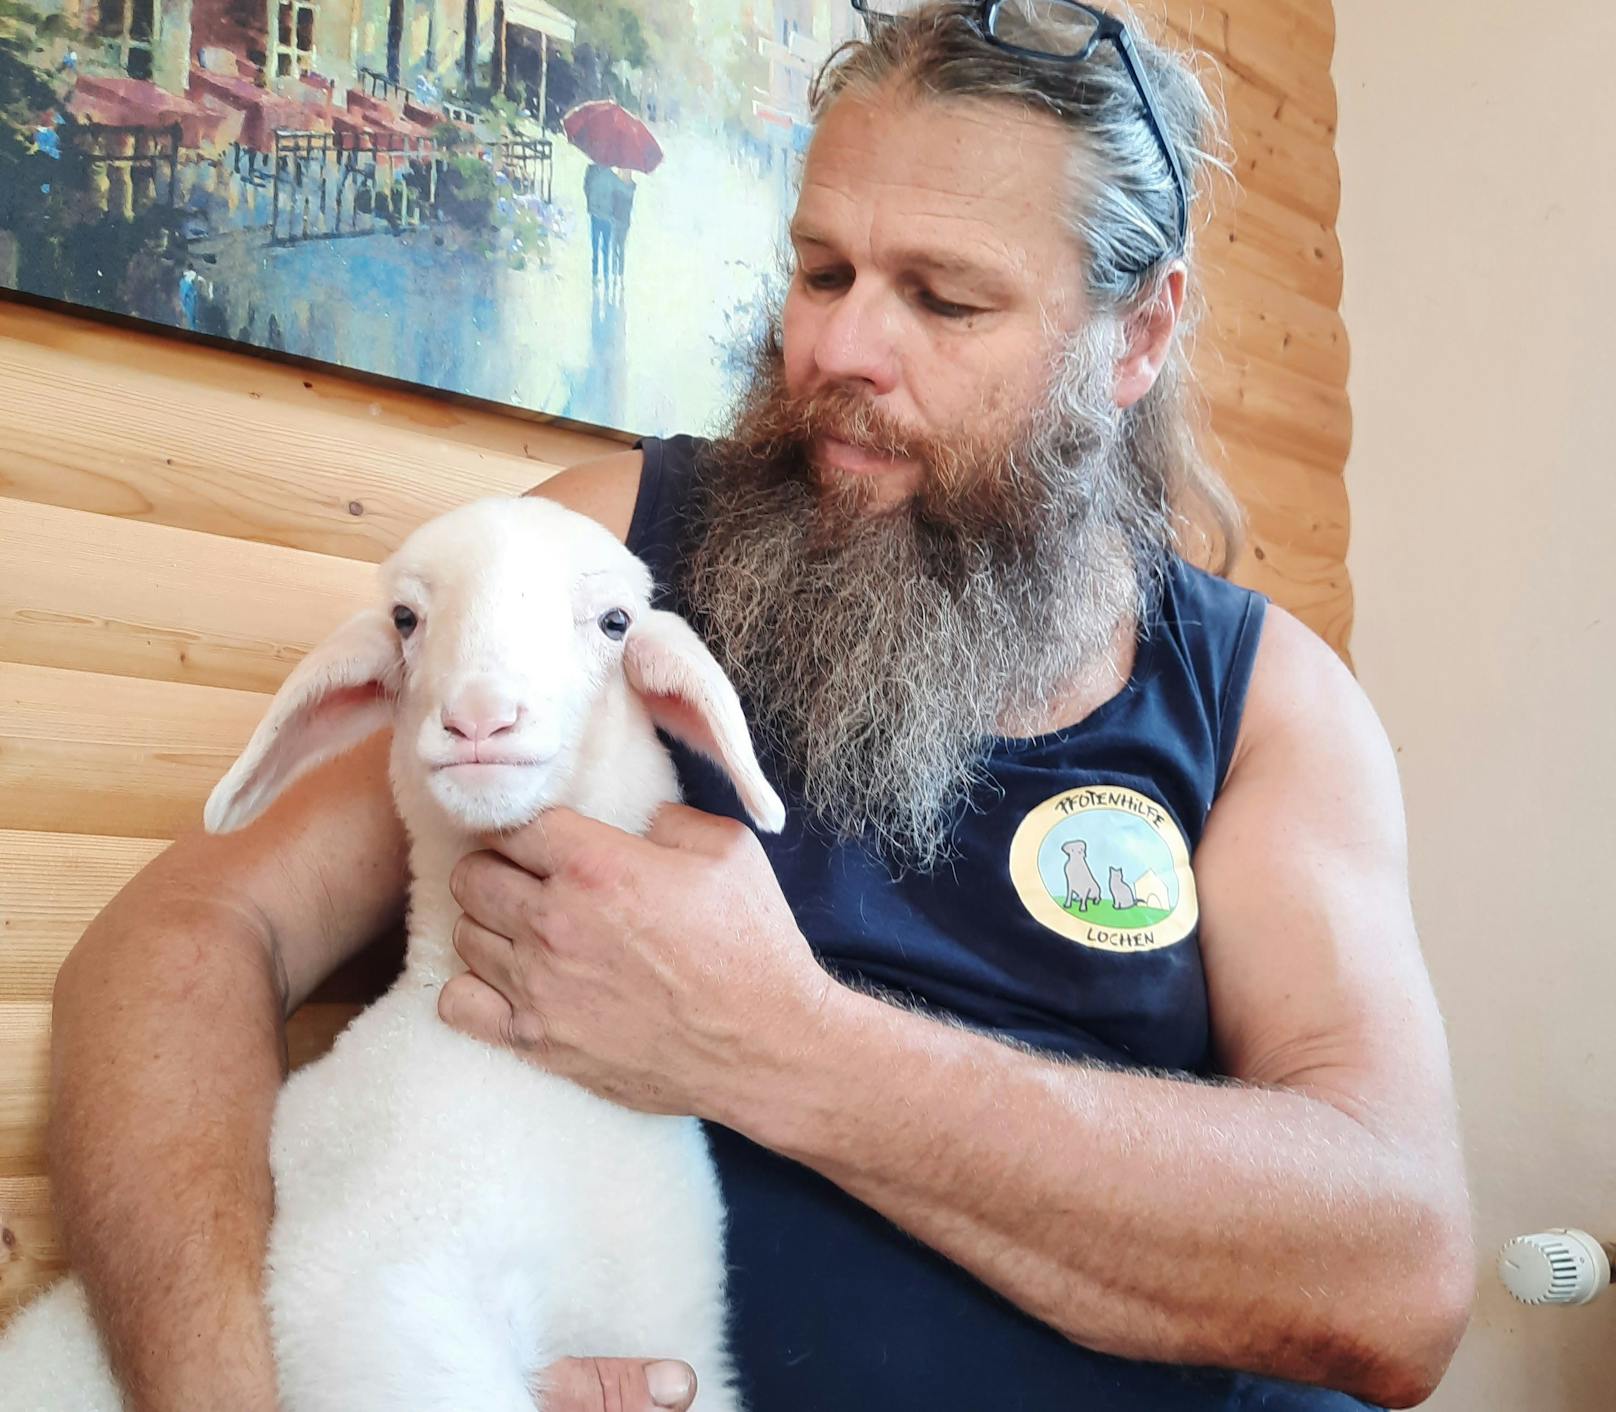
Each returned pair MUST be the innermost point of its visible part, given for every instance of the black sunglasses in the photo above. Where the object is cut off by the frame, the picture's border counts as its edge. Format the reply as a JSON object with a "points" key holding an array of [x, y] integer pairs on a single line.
{"points": [[1063, 31]]}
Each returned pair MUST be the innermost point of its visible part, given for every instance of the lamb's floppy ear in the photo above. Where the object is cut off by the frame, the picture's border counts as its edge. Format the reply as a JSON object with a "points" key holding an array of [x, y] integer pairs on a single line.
{"points": [[689, 696], [335, 697]]}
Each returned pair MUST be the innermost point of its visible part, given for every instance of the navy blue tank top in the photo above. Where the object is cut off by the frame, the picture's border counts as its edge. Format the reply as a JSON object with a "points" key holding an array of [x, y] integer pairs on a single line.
{"points": [[1067, 919]]}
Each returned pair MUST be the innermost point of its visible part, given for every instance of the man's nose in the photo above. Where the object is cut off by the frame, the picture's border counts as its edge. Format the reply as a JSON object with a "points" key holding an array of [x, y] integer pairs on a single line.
{"points": [[856, 342], [480, 712]]}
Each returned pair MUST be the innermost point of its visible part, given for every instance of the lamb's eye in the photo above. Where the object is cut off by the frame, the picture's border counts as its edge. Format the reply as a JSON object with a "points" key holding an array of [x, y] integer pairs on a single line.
{"points": [[404, 620], [614, 623]]}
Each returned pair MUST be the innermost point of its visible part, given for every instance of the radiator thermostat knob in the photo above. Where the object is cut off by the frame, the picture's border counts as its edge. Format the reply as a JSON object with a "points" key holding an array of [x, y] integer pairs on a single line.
{"points": [[1554, 1267]]}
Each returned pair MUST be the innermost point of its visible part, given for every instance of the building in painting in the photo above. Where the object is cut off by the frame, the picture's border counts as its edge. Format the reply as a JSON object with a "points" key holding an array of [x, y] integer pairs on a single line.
{"points": [[235, 71], [795, 39], [521, 37]]}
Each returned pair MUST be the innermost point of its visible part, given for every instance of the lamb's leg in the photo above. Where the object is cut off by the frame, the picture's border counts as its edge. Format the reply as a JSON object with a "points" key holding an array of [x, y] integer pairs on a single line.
{"points": [[51, 1358]]}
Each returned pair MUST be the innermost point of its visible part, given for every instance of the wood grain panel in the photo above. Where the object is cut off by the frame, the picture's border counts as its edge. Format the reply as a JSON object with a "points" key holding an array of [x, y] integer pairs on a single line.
{"points": [[51, 887], [286, 390], [1250, 317], [1273, 47], [130, 441], [1284, 37], [1280, 153], [100, 594], [31, 1254], [1314, 587], [1292, 502], [24, 1079], [84, 752], [1269, 407], [1279, 245]]}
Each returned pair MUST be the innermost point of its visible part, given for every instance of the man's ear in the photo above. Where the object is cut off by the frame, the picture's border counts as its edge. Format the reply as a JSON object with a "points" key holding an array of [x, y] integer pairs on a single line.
{"points": [[334, 698], [1150, 337], [689, 696]]}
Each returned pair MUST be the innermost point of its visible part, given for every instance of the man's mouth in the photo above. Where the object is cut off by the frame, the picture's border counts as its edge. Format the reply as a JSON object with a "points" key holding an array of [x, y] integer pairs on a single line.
{"points": [[843, 456]]}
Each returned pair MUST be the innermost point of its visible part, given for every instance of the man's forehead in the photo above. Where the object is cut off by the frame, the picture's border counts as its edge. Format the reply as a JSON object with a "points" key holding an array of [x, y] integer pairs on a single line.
{"points": [[934, 172], [970, 147]]}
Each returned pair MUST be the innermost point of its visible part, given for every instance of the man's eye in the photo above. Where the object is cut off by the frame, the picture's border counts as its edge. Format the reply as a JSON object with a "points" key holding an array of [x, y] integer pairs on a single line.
{"points": [[944, 309], [824, 279]]}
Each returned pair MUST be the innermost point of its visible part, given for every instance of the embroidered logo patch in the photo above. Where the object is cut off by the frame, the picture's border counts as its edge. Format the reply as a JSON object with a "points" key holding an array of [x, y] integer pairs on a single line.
{"points": [[1106, 867]]}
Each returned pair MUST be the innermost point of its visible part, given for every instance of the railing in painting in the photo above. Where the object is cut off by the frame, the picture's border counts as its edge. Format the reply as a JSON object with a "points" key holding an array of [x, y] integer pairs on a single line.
{"points": [[125, 169], [349, 183], [528, 161], [327, 184], [378, 85]]}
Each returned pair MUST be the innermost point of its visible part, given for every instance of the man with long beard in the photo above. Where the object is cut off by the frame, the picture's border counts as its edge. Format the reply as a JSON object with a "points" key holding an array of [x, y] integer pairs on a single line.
{"points": [[1072, 1045]]}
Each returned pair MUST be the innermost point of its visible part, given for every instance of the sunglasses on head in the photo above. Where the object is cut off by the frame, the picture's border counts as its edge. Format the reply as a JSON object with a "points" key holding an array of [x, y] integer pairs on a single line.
{"points": [[1062, 31]]}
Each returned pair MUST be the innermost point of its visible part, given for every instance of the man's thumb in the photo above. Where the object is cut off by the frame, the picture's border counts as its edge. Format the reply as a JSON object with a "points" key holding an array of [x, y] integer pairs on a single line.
{"points": [[617, 1385]]}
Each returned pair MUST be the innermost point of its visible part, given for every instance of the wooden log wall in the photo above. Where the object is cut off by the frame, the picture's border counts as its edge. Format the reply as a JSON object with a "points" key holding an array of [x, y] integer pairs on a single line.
{"points": [[179, 524]]}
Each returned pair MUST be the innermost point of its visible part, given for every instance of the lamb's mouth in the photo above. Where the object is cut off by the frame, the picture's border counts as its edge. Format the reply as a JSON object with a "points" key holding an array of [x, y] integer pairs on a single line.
{"points": [[480, 784], [484, 769], [493, 794]]}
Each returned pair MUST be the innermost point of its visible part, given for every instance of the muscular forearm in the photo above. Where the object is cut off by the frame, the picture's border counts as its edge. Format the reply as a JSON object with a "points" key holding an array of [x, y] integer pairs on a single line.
{"points": [[166, 1059], [1146, 1217]]}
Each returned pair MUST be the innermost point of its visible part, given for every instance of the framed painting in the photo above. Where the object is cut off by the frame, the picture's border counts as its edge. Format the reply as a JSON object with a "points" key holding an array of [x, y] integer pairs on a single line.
{"points": [[574, 207]]}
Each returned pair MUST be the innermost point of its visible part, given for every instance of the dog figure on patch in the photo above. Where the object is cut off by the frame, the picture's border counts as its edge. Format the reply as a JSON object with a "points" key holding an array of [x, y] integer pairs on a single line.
{"points": [[1081, 885]]}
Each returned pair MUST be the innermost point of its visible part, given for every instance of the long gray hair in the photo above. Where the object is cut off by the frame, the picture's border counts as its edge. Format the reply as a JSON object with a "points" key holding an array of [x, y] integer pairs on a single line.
{"points": [[1122, 208]]}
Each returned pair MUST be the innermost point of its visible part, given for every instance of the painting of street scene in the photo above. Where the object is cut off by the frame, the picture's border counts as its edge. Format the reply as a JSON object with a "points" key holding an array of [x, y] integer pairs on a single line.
{"points": [[575, 207]]}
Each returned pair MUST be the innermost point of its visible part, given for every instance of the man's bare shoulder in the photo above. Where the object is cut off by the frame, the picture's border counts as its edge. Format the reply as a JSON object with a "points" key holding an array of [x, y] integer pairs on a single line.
{"points": [[605, 489], [1304, 700]]}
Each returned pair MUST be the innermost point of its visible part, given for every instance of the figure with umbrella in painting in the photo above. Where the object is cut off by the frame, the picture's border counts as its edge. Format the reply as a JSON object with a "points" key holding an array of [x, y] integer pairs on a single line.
{"points": [[612, 138], [599, 192], [622, 213]]}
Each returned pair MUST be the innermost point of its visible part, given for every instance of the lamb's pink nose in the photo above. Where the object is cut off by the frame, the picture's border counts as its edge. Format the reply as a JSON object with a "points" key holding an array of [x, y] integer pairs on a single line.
{"points": [[478, 713]]}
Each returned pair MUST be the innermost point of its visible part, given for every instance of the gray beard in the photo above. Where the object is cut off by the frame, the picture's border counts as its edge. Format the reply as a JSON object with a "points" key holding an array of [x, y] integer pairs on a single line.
{"points": [[880, 652]]}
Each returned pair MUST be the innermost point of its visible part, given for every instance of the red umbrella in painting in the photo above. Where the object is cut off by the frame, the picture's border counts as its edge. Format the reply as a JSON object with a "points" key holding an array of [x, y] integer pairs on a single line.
{"points": [[611, 135]]}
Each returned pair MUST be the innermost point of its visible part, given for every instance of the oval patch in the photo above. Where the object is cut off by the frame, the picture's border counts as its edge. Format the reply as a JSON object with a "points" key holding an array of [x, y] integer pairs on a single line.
{"points": [[1106, 867]]}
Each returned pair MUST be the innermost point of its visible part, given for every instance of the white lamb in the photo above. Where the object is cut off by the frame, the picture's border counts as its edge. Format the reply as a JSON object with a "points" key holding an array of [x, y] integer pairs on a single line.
{"points": [[450, 1219]]}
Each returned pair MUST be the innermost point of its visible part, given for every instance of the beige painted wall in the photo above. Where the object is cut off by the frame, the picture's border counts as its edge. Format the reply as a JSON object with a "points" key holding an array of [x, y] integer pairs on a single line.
{"points": [[1478, 211]]}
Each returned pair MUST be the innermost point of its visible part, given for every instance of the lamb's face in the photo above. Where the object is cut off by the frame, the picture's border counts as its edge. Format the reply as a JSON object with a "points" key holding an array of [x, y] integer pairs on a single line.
{"points": [[511, 618]]}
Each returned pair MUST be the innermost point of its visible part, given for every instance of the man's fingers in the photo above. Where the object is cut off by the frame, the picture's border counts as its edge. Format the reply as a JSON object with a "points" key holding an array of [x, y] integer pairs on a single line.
{"points": [[468, 1005], [490, 955], [616, 1385], [496, 894], [543, 846], [680, 826]]}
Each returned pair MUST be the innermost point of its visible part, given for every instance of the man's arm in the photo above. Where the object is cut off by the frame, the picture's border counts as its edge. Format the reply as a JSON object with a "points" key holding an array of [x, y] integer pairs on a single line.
{"points": [[1309, 1221], [168, 1051]]}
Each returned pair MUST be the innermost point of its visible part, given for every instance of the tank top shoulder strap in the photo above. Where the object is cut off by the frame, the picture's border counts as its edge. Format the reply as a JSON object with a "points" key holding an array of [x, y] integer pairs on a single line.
{"points": [[654, 531], [1206, 633]]}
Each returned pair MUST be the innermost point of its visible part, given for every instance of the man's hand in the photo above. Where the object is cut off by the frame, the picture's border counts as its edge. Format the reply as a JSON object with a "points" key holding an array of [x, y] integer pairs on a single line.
{"points": [[616, 1385], [663, 972]]}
